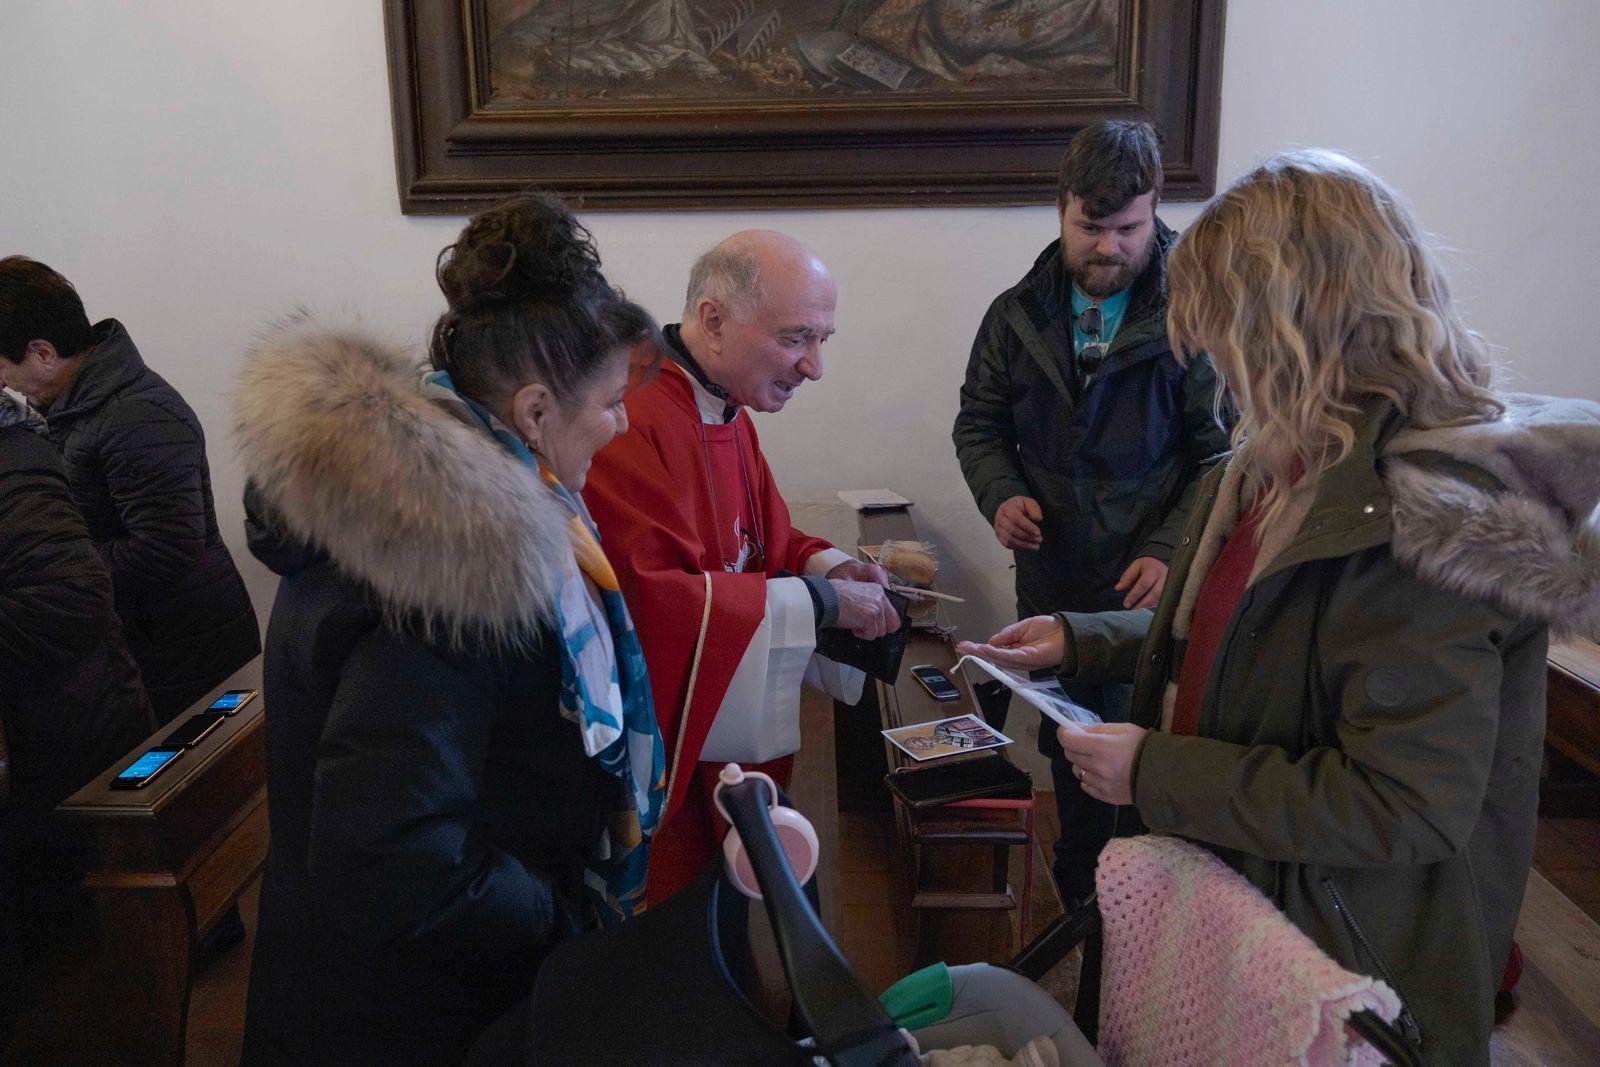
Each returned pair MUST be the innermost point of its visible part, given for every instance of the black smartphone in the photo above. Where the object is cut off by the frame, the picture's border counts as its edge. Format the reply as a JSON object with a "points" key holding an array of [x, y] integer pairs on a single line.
{"points": [[198, 725], [936, 683], [139, 773], [232, 701], [983, 776]]}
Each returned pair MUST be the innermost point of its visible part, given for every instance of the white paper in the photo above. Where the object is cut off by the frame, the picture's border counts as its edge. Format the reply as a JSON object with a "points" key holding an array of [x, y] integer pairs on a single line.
{"points": [[867, 499], [1046, 695]]}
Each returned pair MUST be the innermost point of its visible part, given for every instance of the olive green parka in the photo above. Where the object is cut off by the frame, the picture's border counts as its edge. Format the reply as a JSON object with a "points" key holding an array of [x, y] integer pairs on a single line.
{"points": [[1370, 736]]}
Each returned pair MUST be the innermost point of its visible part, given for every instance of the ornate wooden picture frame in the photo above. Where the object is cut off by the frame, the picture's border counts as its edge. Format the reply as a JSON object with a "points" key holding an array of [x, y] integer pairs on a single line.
{"points": [[740, 104]]}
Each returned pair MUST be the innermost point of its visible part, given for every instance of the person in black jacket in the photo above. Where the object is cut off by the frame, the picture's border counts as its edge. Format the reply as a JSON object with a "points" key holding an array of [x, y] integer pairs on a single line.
{"points": [[1080, 436], [448, 660], [70, 698], [136, 460]]}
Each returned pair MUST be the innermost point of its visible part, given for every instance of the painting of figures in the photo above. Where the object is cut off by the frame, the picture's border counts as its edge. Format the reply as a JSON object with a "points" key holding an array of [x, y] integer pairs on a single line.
{"points": [[573, 50]]}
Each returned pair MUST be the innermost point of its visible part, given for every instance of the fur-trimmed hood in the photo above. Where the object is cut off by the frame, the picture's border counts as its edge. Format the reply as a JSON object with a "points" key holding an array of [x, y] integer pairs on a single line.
{"points": [[346, 456], [1531, 546]]}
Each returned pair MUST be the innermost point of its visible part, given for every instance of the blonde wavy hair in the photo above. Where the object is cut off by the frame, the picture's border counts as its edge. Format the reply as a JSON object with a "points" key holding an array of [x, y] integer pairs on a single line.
{"points": [[1312, 287]]}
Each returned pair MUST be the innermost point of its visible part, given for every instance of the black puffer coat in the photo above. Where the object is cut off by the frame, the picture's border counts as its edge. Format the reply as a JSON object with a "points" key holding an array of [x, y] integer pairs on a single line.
{"points": [[136, 460], [431, 808], [70, 698]]}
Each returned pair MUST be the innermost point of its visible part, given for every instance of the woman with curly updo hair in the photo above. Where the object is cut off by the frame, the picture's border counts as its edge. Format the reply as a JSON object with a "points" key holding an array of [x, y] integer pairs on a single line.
{"points": [[1341, 692], [463, 760]]}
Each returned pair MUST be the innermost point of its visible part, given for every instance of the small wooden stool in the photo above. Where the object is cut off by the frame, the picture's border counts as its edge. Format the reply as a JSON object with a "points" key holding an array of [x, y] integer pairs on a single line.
{"points": [[999, 823]]}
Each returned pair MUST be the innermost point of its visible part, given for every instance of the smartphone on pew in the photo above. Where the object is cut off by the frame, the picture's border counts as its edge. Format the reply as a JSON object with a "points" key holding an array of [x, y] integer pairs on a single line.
{"points": [[146, 768], [196, 727], [940, 687], [232, 701]]}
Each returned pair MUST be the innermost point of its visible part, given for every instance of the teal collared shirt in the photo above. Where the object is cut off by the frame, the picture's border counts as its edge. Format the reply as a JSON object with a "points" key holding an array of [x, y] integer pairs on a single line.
{"points": [[1111, 312]]}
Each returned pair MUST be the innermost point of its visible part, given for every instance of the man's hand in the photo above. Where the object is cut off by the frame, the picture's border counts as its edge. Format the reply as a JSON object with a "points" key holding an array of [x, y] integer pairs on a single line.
{"points": [[1016, 524], [853, 570], [1144, 579], [1027, 645], [1102, 757], [864, 609]]}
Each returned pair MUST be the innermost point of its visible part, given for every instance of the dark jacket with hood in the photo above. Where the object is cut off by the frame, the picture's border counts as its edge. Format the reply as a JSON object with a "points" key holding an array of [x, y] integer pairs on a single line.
{"points": [[1109, 460], [136, 458], [431, 808], [1371, 727], [70, 699]]}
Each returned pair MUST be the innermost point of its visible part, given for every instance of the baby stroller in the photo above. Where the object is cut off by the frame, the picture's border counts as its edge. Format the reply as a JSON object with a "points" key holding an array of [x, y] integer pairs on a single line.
{"points": [[675, 986]]}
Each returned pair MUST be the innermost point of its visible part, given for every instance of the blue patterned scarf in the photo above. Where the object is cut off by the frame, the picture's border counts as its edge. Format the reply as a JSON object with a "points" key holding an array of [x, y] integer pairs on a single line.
{"points": [[605, 689]]}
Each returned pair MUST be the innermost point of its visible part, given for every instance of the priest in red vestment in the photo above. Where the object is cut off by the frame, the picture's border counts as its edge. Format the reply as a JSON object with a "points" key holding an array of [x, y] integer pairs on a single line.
{"points": [[726, 594]]}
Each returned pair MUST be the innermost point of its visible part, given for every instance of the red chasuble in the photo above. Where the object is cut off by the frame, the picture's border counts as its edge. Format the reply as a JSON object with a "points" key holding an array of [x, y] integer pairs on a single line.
{"points": [[676, 500]]}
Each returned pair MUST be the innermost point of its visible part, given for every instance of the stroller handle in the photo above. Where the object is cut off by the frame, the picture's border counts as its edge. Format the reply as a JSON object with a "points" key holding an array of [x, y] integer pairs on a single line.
{"points": [[848, 1024]]}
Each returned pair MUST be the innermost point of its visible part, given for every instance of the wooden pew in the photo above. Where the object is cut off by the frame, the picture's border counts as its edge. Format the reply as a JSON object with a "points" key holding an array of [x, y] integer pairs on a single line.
{"points": [[954, 859], [1573, 701], [166, 861]]}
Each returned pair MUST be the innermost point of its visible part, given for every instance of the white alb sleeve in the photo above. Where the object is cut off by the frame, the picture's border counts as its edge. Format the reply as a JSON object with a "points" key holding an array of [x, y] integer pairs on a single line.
{"points": [[759, 717], [824, 561]]}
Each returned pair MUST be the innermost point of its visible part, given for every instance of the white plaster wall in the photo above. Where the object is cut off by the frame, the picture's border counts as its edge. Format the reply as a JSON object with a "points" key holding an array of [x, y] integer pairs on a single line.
{"points": [[200, 166]]}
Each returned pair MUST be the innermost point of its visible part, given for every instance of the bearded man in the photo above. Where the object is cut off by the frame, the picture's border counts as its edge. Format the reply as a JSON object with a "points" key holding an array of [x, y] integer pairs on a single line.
{"points": [[1080, 436]]}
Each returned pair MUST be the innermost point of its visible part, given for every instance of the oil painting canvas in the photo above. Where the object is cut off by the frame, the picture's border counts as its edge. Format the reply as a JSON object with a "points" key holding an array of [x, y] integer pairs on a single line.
{"points": [[696, 104], [571, 50]]}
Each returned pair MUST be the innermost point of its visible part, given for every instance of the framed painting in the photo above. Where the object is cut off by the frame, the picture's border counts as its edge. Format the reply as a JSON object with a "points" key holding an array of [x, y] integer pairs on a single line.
{"points": [[652, 104]]}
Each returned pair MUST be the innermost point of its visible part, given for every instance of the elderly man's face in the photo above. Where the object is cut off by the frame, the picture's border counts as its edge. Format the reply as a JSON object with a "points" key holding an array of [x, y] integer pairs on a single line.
{"points": [[1104, 255], [40, 376], [767, 356]]}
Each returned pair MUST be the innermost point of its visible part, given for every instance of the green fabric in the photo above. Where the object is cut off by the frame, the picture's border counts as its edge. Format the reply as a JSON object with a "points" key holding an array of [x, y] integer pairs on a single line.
{"points": [[921, 998], [1359, 727]]}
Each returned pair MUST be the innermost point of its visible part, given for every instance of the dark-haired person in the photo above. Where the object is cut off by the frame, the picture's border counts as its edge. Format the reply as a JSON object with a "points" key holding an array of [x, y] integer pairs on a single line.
{"points": [[136, 460], [1342, 690], [462, 757], [730, 596], [70, 698], [1079, 434]]}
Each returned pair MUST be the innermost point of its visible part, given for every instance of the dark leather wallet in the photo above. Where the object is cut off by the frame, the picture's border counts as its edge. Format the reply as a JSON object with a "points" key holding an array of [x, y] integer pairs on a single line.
{"points": [[879, 657], [935, 784]]}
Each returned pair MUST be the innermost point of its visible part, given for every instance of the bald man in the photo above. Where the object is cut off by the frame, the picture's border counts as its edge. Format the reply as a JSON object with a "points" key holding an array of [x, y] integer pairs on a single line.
{"points": [[727, 596]]}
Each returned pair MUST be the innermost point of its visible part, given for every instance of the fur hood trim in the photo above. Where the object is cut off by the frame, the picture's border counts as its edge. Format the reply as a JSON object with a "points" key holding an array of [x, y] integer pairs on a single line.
{"points": [[449, 530], [1532, 549]]}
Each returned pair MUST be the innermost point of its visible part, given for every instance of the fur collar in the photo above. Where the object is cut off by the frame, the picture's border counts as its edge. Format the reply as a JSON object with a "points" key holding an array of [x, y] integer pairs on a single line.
{"points": [[1531, 546], [1502, 512], [430, 513]]}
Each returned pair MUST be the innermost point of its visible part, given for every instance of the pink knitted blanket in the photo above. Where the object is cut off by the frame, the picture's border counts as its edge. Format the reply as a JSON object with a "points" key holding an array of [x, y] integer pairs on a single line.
{"points": [[1200, 968]]}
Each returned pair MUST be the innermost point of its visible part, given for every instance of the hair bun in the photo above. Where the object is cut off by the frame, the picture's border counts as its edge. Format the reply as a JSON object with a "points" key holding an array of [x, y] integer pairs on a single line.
{"points": [[525, 250]]}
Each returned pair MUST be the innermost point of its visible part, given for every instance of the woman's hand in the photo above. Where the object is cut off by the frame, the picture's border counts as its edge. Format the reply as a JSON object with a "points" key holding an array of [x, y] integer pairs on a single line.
{"points": [[1102, 757], [1026, 645]]}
